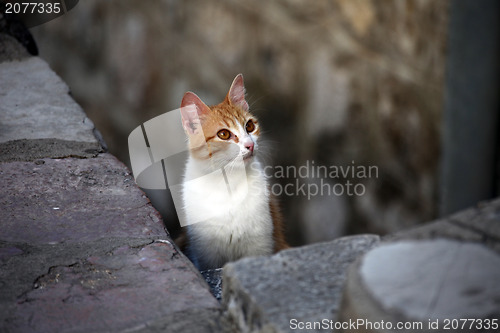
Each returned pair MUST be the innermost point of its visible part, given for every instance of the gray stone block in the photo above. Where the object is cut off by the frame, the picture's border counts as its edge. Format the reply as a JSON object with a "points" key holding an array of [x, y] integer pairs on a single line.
{"points": [[423, 282], [477, 224], [32, 150], [73, 200], [35, 105], [483, 219], [108, 285], [210, 320], [264, 294], [83, 250]]}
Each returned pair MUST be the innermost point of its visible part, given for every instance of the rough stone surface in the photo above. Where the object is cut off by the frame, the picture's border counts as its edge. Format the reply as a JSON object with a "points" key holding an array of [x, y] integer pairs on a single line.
{"points": [[68, 200], [82, 250], [476, 224], [443, 270], [421, 282], [263, 294], [36, 105], [434, 279], [204, 320], [109, 288], [31, 150], [483, 219]]}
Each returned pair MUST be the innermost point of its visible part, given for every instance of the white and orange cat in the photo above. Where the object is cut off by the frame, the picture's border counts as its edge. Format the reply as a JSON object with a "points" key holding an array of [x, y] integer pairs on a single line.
{"points": [[229, 211]]}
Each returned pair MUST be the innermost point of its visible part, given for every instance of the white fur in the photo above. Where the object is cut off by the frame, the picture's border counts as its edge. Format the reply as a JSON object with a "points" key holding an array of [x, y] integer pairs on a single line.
{"points": [[225, 225]]}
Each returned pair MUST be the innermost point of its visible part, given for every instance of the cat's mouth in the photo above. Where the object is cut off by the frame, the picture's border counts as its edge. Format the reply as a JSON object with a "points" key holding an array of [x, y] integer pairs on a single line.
{"points": [[247, 156]]}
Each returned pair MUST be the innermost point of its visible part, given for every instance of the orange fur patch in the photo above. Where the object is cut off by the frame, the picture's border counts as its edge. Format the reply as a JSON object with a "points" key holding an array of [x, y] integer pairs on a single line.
{"points": [[226, 116]]}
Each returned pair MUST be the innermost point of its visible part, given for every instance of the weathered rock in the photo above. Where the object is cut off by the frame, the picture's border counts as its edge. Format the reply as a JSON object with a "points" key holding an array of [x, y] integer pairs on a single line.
{"points": [[82, 249], [73, 200], [110, 288], [476, 224], [265, 294], [442, 270], [38, 118], [204, 320], [31, 150], [483, 219], [421, 282]]}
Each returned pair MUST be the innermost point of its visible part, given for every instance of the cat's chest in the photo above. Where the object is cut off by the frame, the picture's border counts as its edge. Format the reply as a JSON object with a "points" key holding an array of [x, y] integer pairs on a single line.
{"points": [[244, 228], [238, 200], [228, 217], [234, 201]]}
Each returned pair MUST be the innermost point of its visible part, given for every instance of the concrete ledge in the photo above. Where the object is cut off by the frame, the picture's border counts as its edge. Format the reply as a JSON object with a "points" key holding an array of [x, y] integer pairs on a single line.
{"points": [[264, 294], [38, 118], [82, 249], [480, 224], [66, 200], [445, 270], [112, 285], [32, 150]]}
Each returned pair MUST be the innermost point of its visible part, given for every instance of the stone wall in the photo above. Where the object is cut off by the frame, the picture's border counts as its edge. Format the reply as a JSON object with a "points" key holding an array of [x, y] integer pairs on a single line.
{"points": [[333, 82]]}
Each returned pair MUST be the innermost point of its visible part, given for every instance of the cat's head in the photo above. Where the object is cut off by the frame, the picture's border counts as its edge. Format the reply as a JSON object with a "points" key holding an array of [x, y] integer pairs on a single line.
{"points": [[222, 132]]}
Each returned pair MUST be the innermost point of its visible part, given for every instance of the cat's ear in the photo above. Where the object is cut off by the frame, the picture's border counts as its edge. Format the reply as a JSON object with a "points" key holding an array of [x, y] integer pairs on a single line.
{"points": [[192, 108], [236, 94]]}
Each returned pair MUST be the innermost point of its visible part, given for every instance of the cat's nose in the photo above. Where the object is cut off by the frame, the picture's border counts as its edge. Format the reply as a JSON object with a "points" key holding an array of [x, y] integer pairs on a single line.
{"points": [[249, 145]]}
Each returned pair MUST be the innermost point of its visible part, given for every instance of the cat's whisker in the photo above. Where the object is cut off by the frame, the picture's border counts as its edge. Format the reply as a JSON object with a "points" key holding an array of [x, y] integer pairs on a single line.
{"points": [[234, 161]]}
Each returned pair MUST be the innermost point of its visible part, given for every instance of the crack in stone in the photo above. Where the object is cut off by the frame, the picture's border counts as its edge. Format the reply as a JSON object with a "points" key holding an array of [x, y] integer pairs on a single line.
{"points": [[484, 234], [139, 246], [40, 284], [92, 277], [444, 278]]}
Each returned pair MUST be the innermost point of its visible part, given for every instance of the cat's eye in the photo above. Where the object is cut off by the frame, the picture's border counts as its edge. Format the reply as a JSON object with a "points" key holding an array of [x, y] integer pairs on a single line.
{"points": [[224, 134], [250, 126]]}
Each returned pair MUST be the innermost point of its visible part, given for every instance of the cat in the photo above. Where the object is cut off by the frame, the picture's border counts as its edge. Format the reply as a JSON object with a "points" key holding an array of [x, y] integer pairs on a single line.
{"points": [[229, 210]]}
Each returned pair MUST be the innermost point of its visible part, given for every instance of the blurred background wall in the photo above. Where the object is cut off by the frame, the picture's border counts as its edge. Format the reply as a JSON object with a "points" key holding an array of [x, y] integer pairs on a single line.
{"points": [[344, 82]]}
